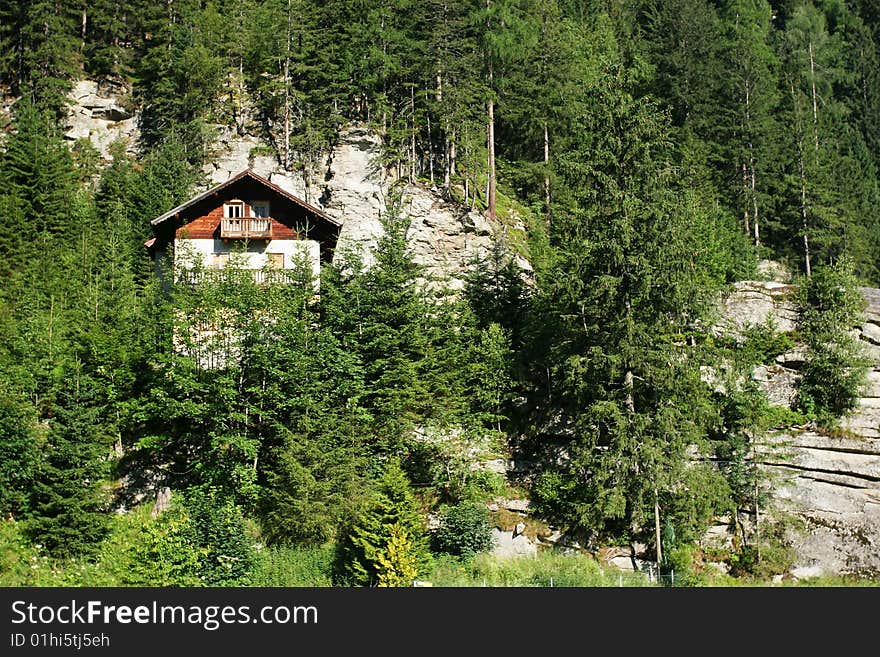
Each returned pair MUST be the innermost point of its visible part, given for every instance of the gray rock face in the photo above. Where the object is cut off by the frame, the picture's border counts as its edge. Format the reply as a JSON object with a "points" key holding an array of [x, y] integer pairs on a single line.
{"points": [[780, 383], [354, 191], [755, 304], [508, 545], [832, 483], [354, 187], [445, 238], [99, 114]]}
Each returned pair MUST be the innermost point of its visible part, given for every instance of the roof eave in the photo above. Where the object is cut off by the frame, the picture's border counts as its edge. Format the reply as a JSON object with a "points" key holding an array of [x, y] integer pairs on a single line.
{"points": [[250, 173]]}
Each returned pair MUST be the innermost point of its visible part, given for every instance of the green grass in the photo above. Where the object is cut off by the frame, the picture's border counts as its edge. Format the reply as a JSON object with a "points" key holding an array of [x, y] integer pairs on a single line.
{"points": [[294, 566], [24, 565], [546, 569]]}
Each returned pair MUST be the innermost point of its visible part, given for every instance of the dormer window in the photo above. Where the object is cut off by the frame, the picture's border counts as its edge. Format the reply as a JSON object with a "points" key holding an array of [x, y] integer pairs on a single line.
{"points": [[233, 209], [260, 209]]}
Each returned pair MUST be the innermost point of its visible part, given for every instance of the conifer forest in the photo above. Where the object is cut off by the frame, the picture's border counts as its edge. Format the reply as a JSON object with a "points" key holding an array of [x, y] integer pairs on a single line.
{"points": [[640, 156]]}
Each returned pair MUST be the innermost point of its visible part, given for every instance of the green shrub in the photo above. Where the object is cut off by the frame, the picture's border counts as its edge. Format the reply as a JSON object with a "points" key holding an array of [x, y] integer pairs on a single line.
{"points": [[226, 553], [464, 530]]}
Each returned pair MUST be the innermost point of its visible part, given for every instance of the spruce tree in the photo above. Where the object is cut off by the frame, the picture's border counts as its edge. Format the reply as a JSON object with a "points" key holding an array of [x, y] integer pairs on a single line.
{"points": [[627, 288], [836, 365], [68, 505], [20, 442], [388, 537]]}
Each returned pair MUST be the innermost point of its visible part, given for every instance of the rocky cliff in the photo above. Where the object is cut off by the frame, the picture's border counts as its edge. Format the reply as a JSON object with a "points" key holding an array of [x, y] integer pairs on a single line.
{"points": [[354, 186], [830, 481], [351, 184]]}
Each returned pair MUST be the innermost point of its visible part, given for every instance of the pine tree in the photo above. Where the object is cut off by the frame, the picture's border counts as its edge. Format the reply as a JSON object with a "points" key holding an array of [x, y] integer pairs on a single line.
{"points": [[836, 365], [749, 116], [19, 453], [385, 321], [41, 39], [313, 459]]}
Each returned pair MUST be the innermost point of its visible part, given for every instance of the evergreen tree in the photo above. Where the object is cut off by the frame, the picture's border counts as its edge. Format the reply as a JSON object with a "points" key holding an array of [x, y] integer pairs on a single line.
{"points": [[385, 320], [836, 366], [68, 507], [40, 46], [627, 288], [388, 540], [313, 458], [748, 118], [19, 453], [38, 179]]}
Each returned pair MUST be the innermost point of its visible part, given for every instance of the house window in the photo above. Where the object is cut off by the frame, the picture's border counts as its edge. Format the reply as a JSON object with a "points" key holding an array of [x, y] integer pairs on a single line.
{"points": [[260, 209], [233, 209], [219, 260], [276, 260]]}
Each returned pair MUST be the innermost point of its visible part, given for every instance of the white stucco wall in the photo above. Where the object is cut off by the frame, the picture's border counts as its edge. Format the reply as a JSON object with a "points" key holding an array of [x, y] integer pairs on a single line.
{"points": [[256, 255]]}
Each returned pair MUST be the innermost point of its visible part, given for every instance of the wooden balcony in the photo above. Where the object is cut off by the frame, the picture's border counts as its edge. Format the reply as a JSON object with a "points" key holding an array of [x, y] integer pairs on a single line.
{"points": [[259, 276], [252, 228]]}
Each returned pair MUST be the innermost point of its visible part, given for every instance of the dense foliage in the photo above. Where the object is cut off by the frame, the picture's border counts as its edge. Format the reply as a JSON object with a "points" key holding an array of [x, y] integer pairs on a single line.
{"points": [[655, 150]]}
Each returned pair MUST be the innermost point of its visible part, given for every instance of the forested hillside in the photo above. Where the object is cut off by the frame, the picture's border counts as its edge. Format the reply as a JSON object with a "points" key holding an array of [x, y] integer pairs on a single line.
{"points": [[655, 152]]}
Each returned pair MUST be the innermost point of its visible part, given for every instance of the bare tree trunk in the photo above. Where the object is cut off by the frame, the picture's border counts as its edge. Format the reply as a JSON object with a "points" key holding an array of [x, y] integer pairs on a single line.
{"points": [[491, 138], [746, 222], [287, 91], [803, 178], [628, 386], [815, 97], [491, 159], [452, 154], [412, 135], [749, 180], [547, 167], [448, 153], [658, 546], [430, 141], [754, 201], [804, 213]]}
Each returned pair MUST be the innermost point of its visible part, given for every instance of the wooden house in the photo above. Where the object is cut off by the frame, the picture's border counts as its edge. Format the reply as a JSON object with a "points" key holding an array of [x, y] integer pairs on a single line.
{"points": [[246, 221]]}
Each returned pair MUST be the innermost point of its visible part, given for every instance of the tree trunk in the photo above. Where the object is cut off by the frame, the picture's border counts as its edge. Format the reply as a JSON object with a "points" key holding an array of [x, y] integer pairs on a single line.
{"points": [[628, 386], [746, 222], [491, 185], [412, 134], [657, 542], [754, 200], [803, 176], [491, 137], [430, 140], [804, 214], [815, 97], [287, 91], [547, 167]]}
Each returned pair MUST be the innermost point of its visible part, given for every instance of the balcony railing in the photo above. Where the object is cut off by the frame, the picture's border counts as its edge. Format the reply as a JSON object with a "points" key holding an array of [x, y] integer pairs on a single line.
{"points": [[258, 276], [255, 228]]}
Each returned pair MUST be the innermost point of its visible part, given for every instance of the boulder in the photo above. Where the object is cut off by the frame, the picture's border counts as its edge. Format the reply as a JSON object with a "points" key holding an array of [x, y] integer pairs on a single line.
{"points": [[752, 304]]}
